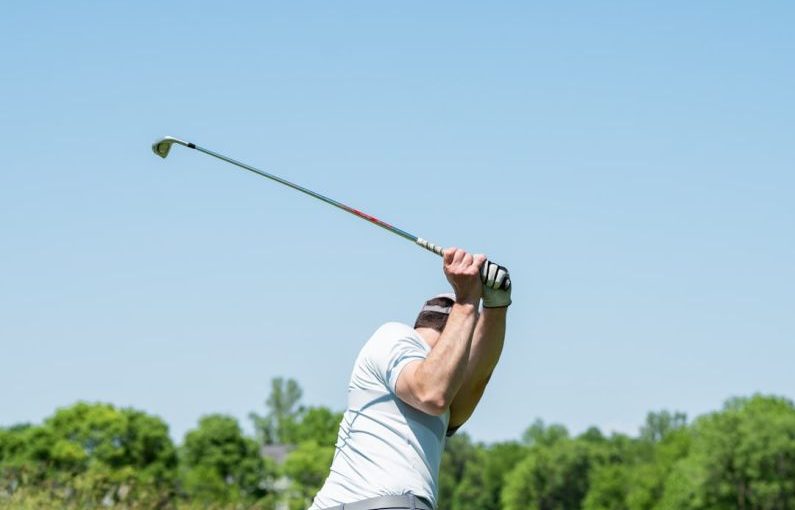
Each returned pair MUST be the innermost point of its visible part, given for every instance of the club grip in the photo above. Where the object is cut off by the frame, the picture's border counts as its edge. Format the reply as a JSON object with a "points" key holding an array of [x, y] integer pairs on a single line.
{"points": [[506, 284], [430, 246]]}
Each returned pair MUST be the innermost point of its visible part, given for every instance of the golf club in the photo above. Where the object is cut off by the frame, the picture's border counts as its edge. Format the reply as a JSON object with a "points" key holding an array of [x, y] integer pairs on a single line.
{"points": [[163, 146]]}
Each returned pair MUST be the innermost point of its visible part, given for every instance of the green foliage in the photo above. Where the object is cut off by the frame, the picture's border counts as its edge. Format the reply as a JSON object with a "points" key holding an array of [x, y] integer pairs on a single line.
{"points": [[608, 488], [482, 479], [659, 425], [553, 476], [317, 424], [307, 467], [282, 404], [91, 453], [218, 463], [636, 469], [288, 422], [87, 434], [458, 452], [541, 434], [89, 456], [742, 457]]}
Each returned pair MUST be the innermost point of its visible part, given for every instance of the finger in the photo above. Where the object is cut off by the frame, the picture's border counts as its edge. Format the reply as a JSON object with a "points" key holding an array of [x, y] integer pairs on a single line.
{"points": [[449, 254], [491, 274], [479, 260], [474, 264], [458, 257], [499, 278], [505, 284]]}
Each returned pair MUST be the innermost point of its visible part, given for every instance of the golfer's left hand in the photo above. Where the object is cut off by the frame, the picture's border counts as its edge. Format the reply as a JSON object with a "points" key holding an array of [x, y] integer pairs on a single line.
{"points": [[493, 276]]}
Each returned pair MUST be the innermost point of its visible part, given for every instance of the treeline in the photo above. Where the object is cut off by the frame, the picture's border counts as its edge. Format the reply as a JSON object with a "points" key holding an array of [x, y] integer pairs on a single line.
{"points": [[97, 455], [742, 457]]}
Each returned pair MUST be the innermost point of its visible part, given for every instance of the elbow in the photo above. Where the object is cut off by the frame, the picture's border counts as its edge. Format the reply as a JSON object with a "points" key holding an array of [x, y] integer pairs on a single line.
{"points": [[435, 403]]}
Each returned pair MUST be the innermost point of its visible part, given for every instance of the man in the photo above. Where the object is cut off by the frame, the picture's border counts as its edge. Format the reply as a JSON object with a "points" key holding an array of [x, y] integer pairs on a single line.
{"points": [[412, 387]]}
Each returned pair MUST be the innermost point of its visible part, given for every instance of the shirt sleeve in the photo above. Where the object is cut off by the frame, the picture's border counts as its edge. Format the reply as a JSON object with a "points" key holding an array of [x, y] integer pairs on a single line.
{"points": [[398, 348]]}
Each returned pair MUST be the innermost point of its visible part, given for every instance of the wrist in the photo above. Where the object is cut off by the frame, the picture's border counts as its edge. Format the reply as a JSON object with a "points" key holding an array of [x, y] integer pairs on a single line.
{"points": [[496, 298], [468, 299], [465, 307], [495, 311], [502, 305]]}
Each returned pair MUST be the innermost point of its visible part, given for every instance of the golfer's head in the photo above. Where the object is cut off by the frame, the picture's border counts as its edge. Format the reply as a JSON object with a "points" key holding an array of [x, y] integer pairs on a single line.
{"points": [[434, 312]]}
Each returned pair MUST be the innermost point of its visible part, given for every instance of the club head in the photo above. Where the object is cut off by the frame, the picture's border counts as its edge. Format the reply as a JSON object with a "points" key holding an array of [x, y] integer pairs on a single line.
{"points": [[163, 146]]}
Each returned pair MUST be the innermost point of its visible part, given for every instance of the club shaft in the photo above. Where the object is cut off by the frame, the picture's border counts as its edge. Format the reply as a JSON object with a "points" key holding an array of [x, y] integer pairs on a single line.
{"points": [[162, 147], [375, 221]]}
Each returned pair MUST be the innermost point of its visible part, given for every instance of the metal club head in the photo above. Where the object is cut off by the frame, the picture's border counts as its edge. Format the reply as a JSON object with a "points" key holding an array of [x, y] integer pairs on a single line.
{"points": [[162, 146]]}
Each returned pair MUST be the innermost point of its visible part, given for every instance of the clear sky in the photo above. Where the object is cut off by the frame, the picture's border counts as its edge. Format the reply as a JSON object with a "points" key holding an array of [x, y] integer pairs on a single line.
{"points": [[632, 164]]}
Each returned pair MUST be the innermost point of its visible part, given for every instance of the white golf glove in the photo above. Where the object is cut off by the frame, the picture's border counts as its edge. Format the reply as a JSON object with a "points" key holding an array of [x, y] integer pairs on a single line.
{"points": [[494, 296]]}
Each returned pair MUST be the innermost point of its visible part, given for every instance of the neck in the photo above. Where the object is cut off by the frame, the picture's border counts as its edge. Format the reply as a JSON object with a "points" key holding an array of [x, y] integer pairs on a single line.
{"points": [[431, 336]]}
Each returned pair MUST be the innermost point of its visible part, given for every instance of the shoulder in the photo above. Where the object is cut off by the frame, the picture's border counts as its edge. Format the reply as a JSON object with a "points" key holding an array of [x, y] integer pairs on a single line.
{"points": [[390, 342], [386, 353], [369, 370], [394, 330], [392, 334]]}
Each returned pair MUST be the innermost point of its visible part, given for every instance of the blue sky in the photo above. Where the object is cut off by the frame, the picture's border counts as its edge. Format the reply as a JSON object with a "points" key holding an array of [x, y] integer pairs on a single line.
{"points": [[631, 163]]}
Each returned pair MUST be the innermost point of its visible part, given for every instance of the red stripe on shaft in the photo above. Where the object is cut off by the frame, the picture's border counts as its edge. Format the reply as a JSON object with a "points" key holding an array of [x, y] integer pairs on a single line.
{"points": [[373, 219]]}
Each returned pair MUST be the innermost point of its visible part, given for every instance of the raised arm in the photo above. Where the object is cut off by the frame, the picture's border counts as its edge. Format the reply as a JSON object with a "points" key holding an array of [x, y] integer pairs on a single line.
{"points": [[486, 347], [484, 354], [431, 384]]}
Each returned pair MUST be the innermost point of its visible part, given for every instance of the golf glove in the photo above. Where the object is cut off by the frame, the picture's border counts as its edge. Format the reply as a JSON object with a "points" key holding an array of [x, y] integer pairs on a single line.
{"points": [[494, 296]]}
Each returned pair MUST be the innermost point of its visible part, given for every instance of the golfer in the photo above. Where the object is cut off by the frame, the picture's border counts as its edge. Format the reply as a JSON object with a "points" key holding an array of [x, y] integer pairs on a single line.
{"points": [[412, 387]]}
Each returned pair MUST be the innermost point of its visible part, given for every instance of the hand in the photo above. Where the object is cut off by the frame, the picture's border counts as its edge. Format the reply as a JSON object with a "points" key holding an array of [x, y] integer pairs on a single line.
{"points": [[494, 296], [463, 272]]}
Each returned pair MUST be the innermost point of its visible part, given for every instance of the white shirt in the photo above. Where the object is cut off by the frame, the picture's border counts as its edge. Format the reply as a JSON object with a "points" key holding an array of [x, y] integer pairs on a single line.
{"points": [[384, 446]]}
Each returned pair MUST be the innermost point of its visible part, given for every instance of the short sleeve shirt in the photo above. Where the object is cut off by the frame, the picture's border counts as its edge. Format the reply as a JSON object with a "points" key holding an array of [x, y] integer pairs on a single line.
{"points": [[384, 446]]}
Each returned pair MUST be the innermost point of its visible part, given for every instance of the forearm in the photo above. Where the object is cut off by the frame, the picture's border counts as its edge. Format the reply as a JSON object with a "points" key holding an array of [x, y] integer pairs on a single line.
{"points": [[487, 343], [444, 370]]}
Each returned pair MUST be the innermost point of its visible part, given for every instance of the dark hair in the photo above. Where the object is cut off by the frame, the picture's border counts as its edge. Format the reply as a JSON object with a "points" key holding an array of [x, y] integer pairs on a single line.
{"points": [[433, 319]]}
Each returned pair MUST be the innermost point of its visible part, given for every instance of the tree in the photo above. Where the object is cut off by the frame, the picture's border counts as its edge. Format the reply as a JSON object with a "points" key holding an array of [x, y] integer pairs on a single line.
{"points": [[24, 454], [608, 488], [318, 424], [593, 435], [277, 425], [546, 435], [648, 478], [307, 467], [482, 479], [458, 451], [553, 476], [660, 424], [93, 452], [634, 471], [220, 464], [742, 457]]}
